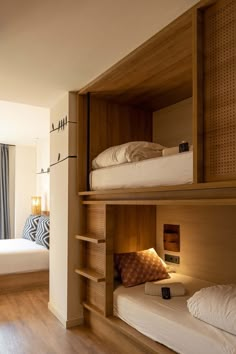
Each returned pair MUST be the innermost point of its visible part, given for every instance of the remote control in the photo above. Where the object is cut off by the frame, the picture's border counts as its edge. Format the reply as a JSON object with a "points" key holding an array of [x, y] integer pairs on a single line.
{"points": [[165, 291]]}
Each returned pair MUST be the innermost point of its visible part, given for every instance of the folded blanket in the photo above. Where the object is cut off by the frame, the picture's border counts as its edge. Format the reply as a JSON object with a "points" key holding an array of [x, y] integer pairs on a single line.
{"points": [[173, 150], [170, 151], [176, 289], [129, 152]]}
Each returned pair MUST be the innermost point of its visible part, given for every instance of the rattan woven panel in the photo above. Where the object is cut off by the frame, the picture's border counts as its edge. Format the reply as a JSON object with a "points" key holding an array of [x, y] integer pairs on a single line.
{"points": [[220, 91]]}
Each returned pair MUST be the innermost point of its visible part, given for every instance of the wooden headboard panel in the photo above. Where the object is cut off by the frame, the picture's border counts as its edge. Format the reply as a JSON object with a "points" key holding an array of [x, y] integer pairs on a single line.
{"points": [[207, 240], [113, 124], [134, 228]]}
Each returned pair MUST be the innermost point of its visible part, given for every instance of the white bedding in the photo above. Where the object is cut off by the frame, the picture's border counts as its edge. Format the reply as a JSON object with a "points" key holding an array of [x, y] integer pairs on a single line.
{"points": [[160, 171], [169, 321], [21, 255]]}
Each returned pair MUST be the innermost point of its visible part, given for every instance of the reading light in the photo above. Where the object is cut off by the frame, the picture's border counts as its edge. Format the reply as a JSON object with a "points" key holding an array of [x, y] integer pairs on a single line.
{"points": [[36, 205]]}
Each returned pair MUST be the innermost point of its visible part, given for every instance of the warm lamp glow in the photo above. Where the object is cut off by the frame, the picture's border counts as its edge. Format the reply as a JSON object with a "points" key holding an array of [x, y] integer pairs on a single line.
{"points": [[36, 205]]}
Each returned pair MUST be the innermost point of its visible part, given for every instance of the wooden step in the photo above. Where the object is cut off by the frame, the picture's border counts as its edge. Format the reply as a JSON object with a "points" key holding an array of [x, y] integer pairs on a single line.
{"points": [[93, 308], [91, 274], [91, 238]]}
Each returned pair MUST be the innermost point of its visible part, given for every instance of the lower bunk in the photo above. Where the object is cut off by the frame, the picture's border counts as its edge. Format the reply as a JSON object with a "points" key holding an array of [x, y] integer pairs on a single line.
{"points": [[150, 324]]}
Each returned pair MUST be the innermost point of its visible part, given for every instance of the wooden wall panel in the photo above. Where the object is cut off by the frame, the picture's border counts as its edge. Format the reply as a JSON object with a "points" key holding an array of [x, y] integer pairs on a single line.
{"points": [[197, 96], [134, 228], [220, 91], [82, 147], [95, 254], [155, 75], [95, 215], [207, 239], [95, 294], [113, 124]]}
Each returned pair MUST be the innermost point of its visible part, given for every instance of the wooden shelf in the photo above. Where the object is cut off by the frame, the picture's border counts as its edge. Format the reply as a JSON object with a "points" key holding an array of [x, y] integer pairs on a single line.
{"points": [[180, 187], [211, 201], [93, 308], [90, 238], [220, 193], [91, 274]]}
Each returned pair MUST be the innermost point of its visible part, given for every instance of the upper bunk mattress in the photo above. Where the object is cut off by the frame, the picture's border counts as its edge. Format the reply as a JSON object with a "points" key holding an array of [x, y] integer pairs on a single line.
{"points": [[160, 171], [21, 255], [169, 321]]}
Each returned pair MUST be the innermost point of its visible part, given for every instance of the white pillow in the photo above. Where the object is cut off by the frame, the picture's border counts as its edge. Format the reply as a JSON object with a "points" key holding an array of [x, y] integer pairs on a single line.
{"points": [[129, 152], [215, 305]]}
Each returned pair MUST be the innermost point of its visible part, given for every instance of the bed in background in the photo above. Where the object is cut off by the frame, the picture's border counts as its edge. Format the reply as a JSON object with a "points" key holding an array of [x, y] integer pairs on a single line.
{"points": [[24, 262]]}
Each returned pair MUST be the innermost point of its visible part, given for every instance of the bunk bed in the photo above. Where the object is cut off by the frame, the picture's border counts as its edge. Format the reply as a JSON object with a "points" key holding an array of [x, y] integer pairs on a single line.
{"points": [[192, 57]]}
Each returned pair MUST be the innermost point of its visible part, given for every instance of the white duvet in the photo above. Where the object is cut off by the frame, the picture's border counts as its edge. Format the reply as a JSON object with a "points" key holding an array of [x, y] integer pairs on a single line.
{"points": [[169, 322], [160, 171], [21, 255]]}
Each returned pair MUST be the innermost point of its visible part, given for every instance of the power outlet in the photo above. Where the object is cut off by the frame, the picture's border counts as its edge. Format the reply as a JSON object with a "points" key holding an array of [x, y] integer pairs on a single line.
{"points": [[172, 259]]}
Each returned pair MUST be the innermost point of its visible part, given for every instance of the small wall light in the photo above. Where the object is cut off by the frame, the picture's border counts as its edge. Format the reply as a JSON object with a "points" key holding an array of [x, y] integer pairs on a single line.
{"points": [[36, 205]]}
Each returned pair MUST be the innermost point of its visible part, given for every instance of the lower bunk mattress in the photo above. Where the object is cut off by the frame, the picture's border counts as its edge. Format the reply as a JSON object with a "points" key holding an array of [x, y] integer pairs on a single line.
{"points": [[21, 255], [160, 171], [169, 321]]}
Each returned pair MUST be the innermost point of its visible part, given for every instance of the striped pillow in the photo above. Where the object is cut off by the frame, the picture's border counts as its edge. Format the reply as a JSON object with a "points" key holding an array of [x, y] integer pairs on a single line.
{"points": [[42, 234], [30, 228]]}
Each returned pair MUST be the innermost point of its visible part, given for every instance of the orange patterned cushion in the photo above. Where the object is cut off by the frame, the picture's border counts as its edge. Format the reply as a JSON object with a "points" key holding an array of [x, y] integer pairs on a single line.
{"points": [[138, 267]]}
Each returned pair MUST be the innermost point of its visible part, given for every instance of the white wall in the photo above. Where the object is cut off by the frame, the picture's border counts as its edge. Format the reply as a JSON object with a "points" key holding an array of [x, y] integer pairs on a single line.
{"points": [[43, 179], [64, 299], [173, 124], [25, 184], [59, 215]]}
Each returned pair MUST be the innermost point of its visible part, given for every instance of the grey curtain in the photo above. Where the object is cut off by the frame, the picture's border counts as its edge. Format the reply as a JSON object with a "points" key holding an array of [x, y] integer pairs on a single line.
{"points": [[4, 192]]}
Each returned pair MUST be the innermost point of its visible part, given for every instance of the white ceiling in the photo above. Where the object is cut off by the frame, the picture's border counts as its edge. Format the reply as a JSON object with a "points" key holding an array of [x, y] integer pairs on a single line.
{"points": [[51, 46], [22, 124]]}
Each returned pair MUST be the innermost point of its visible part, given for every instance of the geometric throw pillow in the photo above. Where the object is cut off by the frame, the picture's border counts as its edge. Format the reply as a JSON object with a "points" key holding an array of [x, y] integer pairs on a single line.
{"points": [[139, 267], [29, 231], [43, 230]]}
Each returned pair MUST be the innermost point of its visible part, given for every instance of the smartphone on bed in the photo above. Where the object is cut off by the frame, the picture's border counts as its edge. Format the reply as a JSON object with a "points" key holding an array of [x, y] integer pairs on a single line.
{"points": [[165, 291]]}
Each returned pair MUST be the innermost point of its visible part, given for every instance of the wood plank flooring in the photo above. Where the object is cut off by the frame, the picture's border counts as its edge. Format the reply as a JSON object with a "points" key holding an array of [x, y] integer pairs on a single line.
{"points": [[28, 327]]}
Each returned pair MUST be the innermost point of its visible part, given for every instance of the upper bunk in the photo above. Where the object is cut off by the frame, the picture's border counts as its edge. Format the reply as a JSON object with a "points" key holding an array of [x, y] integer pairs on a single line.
{"points": [[190, 63]]}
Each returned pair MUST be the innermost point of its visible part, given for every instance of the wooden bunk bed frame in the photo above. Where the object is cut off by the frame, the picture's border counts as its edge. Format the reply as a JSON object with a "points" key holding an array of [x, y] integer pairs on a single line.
{"points": [[185, 59]]}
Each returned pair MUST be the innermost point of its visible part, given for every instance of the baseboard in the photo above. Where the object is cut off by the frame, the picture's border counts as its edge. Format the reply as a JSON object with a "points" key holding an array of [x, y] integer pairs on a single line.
{"points": [[66, 323], [74, 322]]}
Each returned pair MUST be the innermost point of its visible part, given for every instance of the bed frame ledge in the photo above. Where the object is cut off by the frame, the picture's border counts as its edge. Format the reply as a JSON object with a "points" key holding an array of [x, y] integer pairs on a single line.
{"points": [[23, 281], [122, 336]]}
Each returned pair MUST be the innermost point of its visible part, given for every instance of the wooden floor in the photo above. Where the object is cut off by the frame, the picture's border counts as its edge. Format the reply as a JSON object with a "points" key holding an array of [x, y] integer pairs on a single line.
{"points": [[27, 326]]}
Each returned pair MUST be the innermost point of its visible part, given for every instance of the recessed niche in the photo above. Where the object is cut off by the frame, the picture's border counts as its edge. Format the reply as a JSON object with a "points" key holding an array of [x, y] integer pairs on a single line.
{"points": [[171, 237]]}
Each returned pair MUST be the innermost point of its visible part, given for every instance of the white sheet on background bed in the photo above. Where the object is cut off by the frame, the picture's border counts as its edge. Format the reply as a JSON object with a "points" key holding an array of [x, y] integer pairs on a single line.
{"points": [[169, 321], [21, 255], [160, 171]]}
